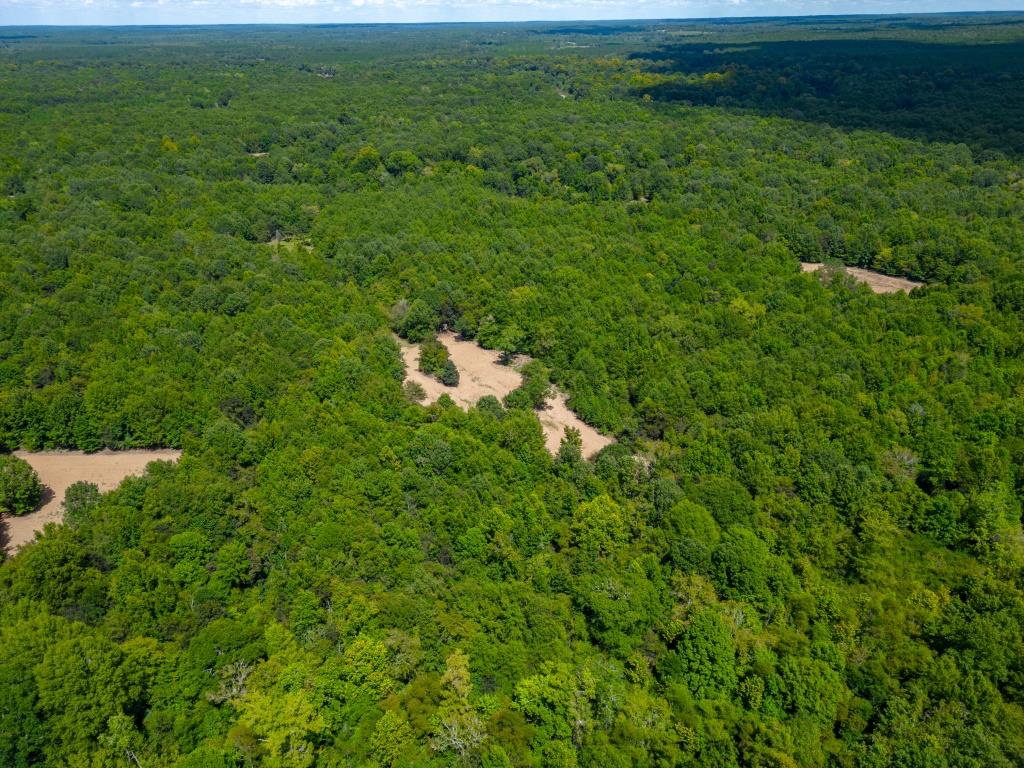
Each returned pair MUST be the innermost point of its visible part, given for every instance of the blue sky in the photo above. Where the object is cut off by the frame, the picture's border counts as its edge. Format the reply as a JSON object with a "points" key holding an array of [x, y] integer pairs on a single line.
{"points": [[303, 11]]}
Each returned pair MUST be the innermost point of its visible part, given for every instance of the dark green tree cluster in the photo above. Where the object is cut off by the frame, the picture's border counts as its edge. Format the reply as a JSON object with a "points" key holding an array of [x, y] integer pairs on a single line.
{"points": [[904, 87], [434, 360], [20, 489]]}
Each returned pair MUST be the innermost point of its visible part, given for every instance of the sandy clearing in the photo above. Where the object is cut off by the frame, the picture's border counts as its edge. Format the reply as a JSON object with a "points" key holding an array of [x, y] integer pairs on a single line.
{"points": [[876, 281], [557, 416], [59, 469], [480, 374], [479, 369]]}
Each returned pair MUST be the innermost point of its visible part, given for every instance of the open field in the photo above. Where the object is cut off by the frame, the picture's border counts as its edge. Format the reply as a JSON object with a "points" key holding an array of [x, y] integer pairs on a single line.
{"points": [[59, 469], [480, 374], [876, 281]]}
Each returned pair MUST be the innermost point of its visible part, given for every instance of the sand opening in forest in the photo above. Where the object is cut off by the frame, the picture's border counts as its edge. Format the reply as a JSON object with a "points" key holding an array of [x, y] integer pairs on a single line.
{"points": [[59, 469], [876, 281], [481, 374]]}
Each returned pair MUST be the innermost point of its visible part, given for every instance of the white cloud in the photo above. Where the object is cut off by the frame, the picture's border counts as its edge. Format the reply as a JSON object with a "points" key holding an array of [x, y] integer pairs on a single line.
{"points": [[305, 11]]}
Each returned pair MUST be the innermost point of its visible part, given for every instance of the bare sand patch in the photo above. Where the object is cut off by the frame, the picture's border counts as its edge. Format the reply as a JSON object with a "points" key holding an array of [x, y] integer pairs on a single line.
{"points": [[481, 374], [59, 469], [876, 281], [557, 416]]}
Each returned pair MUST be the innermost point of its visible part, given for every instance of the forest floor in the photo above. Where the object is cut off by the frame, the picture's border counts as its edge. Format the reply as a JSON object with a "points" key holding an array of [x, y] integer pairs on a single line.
{"points": [[59, 469], [481, 374], [876, 281]]}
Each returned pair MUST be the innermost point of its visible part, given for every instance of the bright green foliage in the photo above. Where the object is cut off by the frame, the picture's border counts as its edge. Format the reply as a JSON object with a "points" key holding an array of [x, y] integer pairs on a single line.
{"points": [[741, 564], [434, 360], [692, 536], [416, 322], [121, 741], [368, 667], [190, 551], [551, 702], [20, 489], [403, 161], [285, 725], [599, 527], [233, 563], [392, 737], [459, 728], [366, 159], [85, 683], [804, 547], [570, 449]]}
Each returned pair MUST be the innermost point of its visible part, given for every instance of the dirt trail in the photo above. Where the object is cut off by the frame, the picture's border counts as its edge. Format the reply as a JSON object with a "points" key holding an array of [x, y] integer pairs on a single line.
{"points": [[481, 374], [59, 469], [876, 281]]}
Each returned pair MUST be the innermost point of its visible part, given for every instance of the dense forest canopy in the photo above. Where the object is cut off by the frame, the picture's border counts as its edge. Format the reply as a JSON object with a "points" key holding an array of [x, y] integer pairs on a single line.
{"points": [[805, 546]]}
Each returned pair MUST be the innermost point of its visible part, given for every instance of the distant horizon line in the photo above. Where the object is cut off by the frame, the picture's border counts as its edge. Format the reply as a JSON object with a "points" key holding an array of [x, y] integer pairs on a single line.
{"points": [[510, 22]]}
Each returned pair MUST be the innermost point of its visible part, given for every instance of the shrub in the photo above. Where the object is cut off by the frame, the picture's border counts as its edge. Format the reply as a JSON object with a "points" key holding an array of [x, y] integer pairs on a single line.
{"points": [[537, 384], [402, 161], [535, 390], [414, 392], [79, 500], [433, 357], [20, 489], [449, 374]]}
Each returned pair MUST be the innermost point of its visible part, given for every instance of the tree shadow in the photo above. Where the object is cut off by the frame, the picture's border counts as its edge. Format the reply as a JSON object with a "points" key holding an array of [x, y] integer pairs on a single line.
{"points": [[44, 499], [966, 94]]}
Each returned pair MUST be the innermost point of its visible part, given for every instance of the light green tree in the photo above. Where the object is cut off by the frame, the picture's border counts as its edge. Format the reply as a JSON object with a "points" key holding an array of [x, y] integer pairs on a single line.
{"points": [[287, 724], [458, 726], [599, 526], [391, 737]]}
